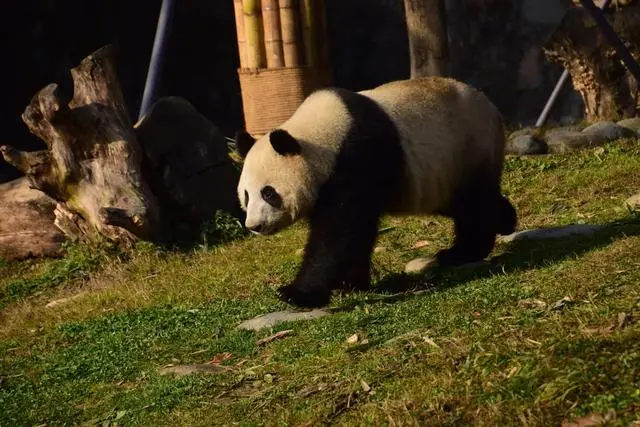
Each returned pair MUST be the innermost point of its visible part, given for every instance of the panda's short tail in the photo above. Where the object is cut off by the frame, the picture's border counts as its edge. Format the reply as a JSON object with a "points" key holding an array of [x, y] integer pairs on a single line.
{"points": [[506, 218]]}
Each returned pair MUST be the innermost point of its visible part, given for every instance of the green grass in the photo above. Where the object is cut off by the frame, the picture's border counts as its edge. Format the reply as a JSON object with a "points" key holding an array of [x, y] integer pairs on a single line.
{"points": [[464, 347]]}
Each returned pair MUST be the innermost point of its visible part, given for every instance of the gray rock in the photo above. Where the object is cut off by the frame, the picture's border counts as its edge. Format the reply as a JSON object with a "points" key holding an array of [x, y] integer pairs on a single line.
{"points": [[633, 202], [561, 130], [524, 131], [551, 232], [420, 265], [272, 319], [526, 144], [609, 131], [566, 141], [631, 124]]}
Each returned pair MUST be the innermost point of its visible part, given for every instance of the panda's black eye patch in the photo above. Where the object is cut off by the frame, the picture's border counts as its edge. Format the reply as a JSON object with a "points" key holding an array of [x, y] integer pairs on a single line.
{"points": [[271, 196]]}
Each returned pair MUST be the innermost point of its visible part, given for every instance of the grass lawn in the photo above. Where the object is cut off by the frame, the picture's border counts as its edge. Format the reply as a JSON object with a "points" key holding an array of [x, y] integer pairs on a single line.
{"points": [[547, 331]]}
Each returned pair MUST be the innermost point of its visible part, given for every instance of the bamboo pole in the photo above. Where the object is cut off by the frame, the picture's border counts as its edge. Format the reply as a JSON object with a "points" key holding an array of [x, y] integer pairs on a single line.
{"points": [[308, 13], [272, 34], [242, 43], [254, 35], [289, 23]]}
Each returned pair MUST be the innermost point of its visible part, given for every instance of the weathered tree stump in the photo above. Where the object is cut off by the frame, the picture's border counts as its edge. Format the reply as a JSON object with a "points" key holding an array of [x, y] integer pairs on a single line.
{"points": [[608, 90], [26, 225], [116, 182]]}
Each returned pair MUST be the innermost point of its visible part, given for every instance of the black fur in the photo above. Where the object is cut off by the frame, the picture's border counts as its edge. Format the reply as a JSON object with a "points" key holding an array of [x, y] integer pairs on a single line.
{"points": [[244, 142], [344, 222], [366, 181], [284, 143]]}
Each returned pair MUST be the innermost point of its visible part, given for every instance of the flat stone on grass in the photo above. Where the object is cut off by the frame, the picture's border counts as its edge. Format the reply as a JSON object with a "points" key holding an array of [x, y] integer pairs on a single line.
{"points": [[199, 368], [633, 202], [270, 320], [551, 232]]}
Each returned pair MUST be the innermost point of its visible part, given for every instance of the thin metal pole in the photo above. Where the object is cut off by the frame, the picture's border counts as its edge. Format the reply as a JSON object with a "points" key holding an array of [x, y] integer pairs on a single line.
{"points": [[560, 84], [552, 99], [157, 57]]}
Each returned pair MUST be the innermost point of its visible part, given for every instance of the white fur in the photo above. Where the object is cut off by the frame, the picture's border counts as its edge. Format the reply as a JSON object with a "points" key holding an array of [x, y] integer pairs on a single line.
{"points": [[446, 127]]}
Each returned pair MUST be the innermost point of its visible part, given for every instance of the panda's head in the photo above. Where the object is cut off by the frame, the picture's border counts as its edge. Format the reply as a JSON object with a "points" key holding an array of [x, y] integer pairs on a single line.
{"points": [[276, 187]]}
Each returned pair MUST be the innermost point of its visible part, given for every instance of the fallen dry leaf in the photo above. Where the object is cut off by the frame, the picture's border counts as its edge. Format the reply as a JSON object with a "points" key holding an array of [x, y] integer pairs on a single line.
{"points": [[532, 303], [420, 244], [352, 339], [562, 303], [219, 358], [365, 387], [274, 337], [430, 342]]}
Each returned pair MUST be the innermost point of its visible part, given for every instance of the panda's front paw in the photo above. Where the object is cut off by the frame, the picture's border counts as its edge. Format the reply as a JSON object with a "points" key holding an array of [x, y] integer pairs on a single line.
{"points": [[292, 294]]}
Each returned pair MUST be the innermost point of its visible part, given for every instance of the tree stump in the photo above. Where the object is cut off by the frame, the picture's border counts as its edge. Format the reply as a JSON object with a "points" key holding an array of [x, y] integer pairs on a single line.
{"points": [[608, 90], [116, 182]]}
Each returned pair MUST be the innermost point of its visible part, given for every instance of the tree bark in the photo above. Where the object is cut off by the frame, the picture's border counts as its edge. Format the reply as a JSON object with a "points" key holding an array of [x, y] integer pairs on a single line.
{"points": [[608, 90], [92, 164], [428, 42], [111, 180]]}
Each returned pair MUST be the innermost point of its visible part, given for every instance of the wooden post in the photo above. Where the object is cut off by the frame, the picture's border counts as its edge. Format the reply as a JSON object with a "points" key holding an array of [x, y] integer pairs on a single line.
{"points": [[427, 31]]}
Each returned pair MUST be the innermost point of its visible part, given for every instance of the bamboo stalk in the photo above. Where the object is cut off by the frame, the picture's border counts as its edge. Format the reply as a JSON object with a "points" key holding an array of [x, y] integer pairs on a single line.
{"points": [[290, 24], [272, 34], [254, 35], [242, 43], [309, 32]]}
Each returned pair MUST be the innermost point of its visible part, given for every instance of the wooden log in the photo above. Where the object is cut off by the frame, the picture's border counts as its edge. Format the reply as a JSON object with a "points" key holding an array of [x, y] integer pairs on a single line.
{"points": [[290, 24], [92, 164], [253, 33], [242, 43], [272, 34]]}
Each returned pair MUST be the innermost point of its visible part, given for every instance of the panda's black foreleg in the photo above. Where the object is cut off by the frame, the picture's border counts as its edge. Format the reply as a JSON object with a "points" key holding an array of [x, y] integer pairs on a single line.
{"points": [[475, 213], [337, 254]]}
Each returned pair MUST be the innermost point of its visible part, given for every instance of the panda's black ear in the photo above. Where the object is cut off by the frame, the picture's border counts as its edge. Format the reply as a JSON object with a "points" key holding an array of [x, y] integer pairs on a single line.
{"points": [[284, 143], [244, 142]]}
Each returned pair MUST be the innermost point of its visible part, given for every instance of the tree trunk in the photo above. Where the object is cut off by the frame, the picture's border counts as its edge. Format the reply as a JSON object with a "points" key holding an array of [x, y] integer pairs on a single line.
{"points": [[608, 90], [116, 182], [428, 42]]}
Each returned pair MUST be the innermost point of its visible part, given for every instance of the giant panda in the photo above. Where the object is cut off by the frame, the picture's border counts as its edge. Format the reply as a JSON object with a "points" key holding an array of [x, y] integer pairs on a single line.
{"points": [[432, 146]]}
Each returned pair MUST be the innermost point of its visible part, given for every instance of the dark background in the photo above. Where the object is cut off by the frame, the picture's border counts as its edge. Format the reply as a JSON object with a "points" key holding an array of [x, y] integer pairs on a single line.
{"points": [[490, 41]]}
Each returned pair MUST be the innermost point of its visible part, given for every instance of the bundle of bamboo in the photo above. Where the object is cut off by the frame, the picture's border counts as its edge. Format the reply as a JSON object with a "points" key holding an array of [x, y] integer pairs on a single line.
{"points": [[283, 57], [281, 33]]}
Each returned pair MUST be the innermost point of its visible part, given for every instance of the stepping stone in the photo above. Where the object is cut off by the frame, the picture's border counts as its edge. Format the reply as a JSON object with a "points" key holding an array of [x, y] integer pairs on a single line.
{"points": [[272, 319], [551, 232], [200, 368]]}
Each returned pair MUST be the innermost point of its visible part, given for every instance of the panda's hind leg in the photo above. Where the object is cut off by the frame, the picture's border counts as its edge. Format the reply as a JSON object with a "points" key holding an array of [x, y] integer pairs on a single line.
{"points": [[479, 213]]}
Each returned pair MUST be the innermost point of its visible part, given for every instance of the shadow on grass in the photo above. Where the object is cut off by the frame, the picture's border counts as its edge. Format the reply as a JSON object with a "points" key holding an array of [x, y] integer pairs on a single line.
{"points": [[519, 255]]}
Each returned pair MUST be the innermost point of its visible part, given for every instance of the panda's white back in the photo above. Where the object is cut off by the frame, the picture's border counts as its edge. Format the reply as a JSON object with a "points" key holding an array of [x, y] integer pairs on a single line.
{"points": [[446, 129]]}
